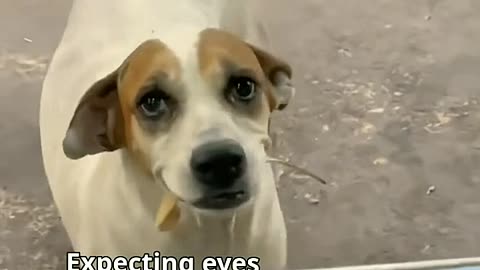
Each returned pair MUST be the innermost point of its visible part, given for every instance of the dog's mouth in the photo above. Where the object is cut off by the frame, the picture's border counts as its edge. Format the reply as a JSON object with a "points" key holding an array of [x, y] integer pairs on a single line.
{"points": [[223, 200]]}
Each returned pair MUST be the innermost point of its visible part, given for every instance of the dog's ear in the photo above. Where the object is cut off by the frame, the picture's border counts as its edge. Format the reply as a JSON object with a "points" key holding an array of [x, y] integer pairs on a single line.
{"points": [[279, 74], [96, 125]]}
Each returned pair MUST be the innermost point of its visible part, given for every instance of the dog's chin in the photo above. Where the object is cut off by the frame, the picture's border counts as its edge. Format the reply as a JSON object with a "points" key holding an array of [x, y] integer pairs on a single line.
{"points": [[223, 200], [222, 212], [219, 201]]}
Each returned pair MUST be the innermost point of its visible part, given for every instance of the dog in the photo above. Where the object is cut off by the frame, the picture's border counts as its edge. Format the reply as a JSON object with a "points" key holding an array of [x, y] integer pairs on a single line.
{"points": [[154, 123]]}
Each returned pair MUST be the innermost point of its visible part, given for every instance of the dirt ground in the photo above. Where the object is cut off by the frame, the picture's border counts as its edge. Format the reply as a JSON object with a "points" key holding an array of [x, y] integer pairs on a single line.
{"points": [[387, 111]]}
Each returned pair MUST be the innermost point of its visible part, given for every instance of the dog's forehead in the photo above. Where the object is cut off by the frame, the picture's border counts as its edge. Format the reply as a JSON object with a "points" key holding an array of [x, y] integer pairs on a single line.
{"points": [[205, 51], [208, 55], [153, 55], [217, 50]]}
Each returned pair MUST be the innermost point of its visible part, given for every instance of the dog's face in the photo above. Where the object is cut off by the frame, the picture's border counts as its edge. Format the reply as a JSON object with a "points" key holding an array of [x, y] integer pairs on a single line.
{"points": [[196, 121]]}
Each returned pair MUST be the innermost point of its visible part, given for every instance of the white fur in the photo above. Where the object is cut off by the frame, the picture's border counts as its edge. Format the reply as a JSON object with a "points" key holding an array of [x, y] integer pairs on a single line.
{"points": [[107, 206]]}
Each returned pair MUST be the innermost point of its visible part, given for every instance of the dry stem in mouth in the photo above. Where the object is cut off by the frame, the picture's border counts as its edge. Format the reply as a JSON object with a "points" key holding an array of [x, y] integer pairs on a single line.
{"points": [[298, 169]]}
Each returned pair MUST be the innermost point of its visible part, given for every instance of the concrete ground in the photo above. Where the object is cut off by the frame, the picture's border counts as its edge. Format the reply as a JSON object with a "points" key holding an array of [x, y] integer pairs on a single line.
{"points": [[387, 111]]}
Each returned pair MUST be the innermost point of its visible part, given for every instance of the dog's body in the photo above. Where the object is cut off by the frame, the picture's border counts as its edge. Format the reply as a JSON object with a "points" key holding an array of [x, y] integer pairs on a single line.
{"points": [[108, 201]]}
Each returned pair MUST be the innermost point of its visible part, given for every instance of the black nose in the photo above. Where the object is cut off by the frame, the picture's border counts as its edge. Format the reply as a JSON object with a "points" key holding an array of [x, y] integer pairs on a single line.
{"points": [[218, 164]]}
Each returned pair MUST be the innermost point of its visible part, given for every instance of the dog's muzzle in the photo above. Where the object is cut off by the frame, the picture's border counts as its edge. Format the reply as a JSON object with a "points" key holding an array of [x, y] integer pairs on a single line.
{"points": [[220, 167]]}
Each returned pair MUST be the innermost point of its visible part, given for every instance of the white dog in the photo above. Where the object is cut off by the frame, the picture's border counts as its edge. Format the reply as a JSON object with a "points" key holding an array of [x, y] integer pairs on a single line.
{"points": [[154, 128]]}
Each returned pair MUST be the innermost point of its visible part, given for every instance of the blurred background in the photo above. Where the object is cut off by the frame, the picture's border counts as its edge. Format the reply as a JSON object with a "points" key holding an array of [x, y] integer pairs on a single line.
{"points": [[387, 110]]}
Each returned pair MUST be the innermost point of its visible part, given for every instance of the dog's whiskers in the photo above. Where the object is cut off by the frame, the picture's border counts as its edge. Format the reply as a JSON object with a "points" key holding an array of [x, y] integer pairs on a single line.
{"points": [[231, 233], [198, 220], [298, 169], [232, 223]]}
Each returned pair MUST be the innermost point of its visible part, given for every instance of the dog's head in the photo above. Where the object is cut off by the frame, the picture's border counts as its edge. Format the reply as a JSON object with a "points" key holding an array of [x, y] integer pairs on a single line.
{"points": [[196, 121]]}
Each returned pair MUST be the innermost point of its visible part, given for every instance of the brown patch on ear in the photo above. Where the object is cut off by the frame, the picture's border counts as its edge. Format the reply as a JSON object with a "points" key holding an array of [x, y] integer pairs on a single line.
{"points": [[103, 119], [97, 124], [271, 64], [279, 73]]}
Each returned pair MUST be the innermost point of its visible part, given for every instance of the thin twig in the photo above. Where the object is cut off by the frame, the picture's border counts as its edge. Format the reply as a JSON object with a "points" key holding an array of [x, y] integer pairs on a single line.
{"points": [[300, 170]]}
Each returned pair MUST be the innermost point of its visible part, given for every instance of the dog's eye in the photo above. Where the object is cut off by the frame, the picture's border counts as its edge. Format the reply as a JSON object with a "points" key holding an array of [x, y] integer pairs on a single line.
{"points": [[153, 104], [242, 88]]}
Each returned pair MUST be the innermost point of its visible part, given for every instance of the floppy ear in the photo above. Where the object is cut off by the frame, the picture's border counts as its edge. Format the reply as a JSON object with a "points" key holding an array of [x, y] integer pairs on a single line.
{"points": [[279, 74], [96, 125]]}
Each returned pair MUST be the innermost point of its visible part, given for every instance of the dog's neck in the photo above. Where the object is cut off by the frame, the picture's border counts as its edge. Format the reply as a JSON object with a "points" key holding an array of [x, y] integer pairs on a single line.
{"points": [[129, 22]]}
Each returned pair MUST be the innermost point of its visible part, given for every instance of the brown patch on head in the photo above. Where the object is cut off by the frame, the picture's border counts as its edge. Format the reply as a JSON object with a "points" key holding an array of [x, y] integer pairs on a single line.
{"points": [[150, 62], [221, 53], [104, 119]]}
